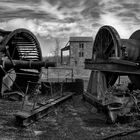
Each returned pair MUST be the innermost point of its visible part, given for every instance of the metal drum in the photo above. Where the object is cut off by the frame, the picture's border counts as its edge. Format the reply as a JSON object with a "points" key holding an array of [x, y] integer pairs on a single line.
{"points": [[21, 45], [108, 44]]}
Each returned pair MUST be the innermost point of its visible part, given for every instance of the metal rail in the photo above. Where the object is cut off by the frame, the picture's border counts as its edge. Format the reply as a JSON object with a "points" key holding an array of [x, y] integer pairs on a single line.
{"points": [[121, 134], [25, 118]]}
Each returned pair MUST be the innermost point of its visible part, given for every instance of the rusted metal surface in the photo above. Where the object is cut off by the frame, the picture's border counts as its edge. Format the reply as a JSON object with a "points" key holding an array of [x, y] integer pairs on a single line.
{"points": [[115, 66], [22, 64]]}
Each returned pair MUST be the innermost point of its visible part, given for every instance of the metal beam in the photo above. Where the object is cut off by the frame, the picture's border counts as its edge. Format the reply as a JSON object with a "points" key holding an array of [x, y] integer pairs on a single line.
{"points": [[21, 64], [25, 118], [116, 66]]}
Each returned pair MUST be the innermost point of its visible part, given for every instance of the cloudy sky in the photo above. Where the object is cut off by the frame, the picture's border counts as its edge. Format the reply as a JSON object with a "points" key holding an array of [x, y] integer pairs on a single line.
{"points": [[50, 19]]}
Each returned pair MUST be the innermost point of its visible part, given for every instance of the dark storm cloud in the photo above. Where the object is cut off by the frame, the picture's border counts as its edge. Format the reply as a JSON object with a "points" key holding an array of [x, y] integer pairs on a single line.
{"points": [[92, 9], [49, 16], [64, 18], [121, 14]]}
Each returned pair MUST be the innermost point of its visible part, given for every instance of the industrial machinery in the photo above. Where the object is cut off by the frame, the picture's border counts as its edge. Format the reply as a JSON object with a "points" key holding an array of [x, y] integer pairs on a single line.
{"points": [[20, 73], [113, 57], [20, 60]]}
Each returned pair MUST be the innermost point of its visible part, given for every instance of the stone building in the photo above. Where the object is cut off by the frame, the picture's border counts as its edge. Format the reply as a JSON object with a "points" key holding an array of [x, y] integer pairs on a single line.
{"points": [[78, 49]]}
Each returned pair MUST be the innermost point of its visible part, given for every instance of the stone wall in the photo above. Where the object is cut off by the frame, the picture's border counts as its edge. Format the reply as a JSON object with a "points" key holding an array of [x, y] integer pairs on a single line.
{"points": [[76, 62]]}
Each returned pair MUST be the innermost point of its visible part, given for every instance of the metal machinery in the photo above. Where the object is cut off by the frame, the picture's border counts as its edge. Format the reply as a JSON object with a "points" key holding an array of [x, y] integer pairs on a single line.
{"points": [[20, 60], [113, 57], [20, 72]]}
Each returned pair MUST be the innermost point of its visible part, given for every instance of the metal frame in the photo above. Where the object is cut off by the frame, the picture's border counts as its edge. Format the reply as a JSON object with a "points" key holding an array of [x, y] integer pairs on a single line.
{"points": [[112, 57]]}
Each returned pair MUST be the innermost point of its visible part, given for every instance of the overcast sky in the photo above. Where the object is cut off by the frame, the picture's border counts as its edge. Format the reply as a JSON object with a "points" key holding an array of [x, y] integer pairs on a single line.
{"points": [[49, 19]]}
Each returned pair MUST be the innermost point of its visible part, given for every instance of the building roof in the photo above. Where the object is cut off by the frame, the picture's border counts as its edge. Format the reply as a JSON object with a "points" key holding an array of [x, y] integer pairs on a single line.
{"points": [[81, 39], [66, 48]]}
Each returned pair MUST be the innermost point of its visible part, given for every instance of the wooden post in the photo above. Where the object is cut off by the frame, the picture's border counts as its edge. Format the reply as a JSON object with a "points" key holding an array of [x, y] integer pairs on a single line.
{"points": [[61, 57], [1, 79]]}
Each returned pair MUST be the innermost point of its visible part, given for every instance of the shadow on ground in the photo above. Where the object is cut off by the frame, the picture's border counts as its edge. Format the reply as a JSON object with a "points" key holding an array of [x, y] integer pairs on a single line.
{"points": [[73, 120]]}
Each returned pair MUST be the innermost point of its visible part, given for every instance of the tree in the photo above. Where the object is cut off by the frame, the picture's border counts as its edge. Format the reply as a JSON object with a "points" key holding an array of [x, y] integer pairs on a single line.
{"points": [[57, 50]]}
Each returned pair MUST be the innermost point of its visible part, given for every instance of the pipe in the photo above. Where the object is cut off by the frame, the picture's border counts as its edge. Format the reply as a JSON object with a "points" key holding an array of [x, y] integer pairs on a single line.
{"points": [[21, 64]]}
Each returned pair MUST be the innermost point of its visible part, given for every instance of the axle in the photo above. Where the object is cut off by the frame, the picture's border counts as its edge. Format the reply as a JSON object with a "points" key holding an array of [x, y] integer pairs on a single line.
{"points": [[21, 64]]}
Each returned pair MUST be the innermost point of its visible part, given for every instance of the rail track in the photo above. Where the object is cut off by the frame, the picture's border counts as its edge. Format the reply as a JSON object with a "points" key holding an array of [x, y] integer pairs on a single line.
{"points": [[26, 118]]}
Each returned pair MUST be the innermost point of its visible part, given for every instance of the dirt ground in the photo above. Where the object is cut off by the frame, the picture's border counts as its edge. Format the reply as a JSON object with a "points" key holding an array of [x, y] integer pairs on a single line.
{"points": [[73, 120]]}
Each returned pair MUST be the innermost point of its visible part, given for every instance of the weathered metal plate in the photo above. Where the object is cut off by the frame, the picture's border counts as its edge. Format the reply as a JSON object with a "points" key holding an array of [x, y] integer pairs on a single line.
{"points": [[115, 67]]}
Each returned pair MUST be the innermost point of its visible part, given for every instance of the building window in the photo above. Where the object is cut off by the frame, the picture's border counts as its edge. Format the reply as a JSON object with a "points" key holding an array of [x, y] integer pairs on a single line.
{"points": [[81, 46], [81, 54], [81, 49]]}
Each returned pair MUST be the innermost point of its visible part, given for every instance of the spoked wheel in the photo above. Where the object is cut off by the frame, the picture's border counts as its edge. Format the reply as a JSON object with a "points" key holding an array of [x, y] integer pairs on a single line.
{"points": [[20, 44], [107, 44]]}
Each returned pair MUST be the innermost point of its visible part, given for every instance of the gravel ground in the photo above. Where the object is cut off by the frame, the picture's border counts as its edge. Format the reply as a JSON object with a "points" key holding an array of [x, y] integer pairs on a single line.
{"points": [[74, 120]]}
